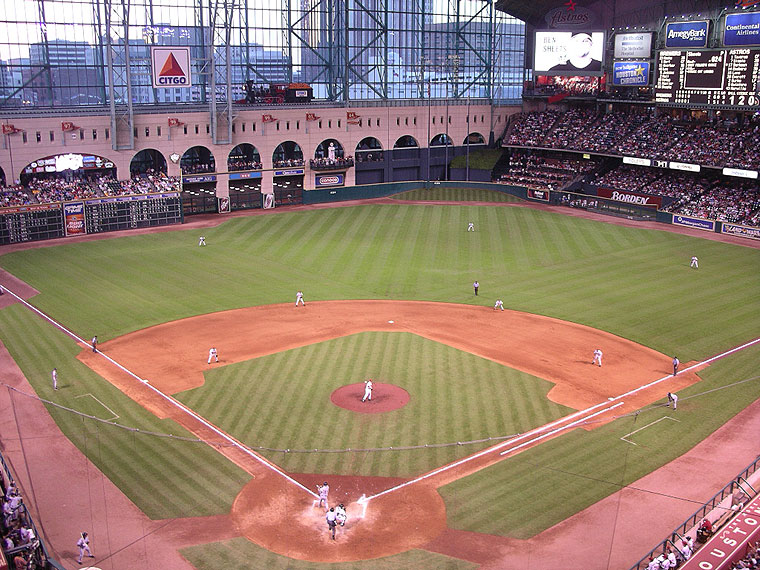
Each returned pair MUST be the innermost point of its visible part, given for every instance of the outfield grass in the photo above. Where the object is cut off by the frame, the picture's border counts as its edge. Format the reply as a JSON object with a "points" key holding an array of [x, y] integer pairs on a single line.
{"points": [[241, 554], [456, 396], [634, 283]]}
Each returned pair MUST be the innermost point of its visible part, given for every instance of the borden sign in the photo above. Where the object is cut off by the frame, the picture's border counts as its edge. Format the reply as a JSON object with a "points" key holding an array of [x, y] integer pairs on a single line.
{"points": [[171, 66]]}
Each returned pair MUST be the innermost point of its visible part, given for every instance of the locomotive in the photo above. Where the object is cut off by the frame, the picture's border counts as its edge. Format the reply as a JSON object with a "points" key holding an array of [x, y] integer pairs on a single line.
{"points": [[277, 93]]}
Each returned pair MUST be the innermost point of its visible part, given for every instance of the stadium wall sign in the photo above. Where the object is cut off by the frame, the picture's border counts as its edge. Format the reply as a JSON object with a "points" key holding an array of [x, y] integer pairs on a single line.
{"points": [[322, 180], [697, 223], [686, 34], [630, 197], [170, 67], [741, 231], [570, 15], [730, 543]]}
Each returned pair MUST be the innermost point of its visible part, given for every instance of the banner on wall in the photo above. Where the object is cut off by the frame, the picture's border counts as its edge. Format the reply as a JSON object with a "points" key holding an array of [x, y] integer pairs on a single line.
{"points": [[170, 67], [742, 29], [323, 180], [73, 217]]}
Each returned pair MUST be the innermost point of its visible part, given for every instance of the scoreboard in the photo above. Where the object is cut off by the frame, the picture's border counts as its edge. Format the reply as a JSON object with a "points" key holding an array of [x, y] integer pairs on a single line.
{"points": [[128, 212], [48, 221], [721, 77], [31, 223]]}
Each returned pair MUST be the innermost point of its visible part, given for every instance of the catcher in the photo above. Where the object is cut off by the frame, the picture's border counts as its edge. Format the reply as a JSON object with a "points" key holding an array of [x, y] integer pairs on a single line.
{"points": [[340, 515]]}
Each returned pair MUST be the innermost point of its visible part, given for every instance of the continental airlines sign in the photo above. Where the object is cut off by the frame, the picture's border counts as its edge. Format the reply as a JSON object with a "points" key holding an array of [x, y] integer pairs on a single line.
{"points": [[170, 66]]}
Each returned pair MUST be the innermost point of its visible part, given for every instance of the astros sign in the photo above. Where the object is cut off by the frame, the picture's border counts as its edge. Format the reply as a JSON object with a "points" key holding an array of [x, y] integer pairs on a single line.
{"points": [[170, 66]]}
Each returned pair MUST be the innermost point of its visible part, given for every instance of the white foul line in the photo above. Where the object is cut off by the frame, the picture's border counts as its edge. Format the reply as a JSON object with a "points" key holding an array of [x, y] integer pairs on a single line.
{"points": [[499, 446], [561, 420], [650, 424], [171, 400]]}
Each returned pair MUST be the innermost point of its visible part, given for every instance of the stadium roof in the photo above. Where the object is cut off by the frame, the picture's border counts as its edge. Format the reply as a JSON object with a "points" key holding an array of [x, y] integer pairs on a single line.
{"points": [[530, 12]]}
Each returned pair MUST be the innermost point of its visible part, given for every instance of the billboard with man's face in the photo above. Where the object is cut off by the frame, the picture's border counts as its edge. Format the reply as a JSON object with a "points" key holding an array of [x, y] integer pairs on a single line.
{"points": [[569, 53]]}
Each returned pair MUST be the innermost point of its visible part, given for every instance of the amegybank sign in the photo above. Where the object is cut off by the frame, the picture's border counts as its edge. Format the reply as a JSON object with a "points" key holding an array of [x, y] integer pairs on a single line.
{"points": [[171, 66]]}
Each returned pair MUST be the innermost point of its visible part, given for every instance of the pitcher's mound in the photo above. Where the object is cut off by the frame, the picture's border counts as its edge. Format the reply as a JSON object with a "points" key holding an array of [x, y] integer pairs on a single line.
{"points": [[385, 397]]}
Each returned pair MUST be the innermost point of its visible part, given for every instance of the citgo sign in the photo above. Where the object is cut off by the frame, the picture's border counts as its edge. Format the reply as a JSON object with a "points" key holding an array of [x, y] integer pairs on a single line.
{"points": [[170, 66]]}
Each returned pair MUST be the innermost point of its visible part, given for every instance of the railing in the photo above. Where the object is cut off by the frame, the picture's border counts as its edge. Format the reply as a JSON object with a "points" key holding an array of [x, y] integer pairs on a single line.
{"points": [[738, 482]]}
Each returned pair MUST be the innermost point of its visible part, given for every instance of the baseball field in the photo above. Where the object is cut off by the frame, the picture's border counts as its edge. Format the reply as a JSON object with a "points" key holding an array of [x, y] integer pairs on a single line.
{"points": [[388, 291]]}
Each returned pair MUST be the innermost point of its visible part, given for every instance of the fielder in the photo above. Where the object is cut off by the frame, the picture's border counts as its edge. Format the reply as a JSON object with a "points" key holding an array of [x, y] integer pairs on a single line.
{"points": [[694, 262], [471, 227], [367, 390], [212, 353], [323, 492], [54, 376], [597, 357], [674, 399], [201, 241], [498, 305], [299, 298]]}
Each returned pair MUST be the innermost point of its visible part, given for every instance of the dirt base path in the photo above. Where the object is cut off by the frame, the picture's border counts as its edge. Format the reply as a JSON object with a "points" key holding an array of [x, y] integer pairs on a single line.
{"points": [[279, 515]]}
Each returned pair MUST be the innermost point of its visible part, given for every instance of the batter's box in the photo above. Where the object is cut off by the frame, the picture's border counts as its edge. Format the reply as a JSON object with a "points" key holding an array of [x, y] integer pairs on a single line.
{"points": [[649, 435], [91, 408]]}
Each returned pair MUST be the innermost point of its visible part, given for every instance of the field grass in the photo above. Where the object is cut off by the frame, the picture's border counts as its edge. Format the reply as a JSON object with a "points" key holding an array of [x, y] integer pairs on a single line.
{"points": [[240, 554], [632, 282], [456, 396], [560, 477], [164, 477]]}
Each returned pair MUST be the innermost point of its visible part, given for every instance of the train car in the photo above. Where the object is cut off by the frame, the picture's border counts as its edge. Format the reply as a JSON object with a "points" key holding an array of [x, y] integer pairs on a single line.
{"points": [[277, 93]]}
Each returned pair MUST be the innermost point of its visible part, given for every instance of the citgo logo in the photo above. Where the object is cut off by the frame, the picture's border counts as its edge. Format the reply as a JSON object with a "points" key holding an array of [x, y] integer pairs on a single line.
{"points": [[171, 66]]}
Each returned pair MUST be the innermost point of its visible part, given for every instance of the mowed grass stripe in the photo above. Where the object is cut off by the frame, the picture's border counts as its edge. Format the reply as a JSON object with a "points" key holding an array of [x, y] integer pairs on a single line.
{"points": [[241, 554]]}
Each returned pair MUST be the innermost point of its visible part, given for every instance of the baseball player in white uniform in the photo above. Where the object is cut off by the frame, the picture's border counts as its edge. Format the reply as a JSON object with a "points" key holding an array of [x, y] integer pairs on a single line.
{"points": [[471, 227], [367, 390], [340, 515], [84, 546], [299, 298], [201, 241], [324, 490], [498, 305], [694, 262], [213, 354], [54, 376], [674, 399], [597, 357]]}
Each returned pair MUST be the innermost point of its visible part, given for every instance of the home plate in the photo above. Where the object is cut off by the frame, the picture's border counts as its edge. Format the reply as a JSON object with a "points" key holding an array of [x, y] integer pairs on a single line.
{"points": [[391, 322]]}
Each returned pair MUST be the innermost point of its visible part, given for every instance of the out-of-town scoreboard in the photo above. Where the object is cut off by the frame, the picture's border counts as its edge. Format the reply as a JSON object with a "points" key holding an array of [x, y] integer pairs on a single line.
{"points": [[96, 215]]}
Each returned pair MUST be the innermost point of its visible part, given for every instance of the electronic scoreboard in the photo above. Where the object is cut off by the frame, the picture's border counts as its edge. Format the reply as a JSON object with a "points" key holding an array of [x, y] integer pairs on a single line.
{"points": [[720, 77]]}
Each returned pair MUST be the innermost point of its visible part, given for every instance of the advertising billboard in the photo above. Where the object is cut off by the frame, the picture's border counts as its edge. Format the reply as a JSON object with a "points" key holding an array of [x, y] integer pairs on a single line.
{"points": [[630, 73], [633, 45], [170, 66], [569, 53], [686, 34], [742, 29]]}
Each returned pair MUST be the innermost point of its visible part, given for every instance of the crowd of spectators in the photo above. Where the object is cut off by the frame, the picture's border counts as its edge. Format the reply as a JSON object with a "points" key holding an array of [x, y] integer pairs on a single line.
{"points": [[331, 163], [543, 173], [717, 143], [20, 544], [57, 188], [288, 162], [234, 165], [198, 167], [14, 196], [738, 202]]}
